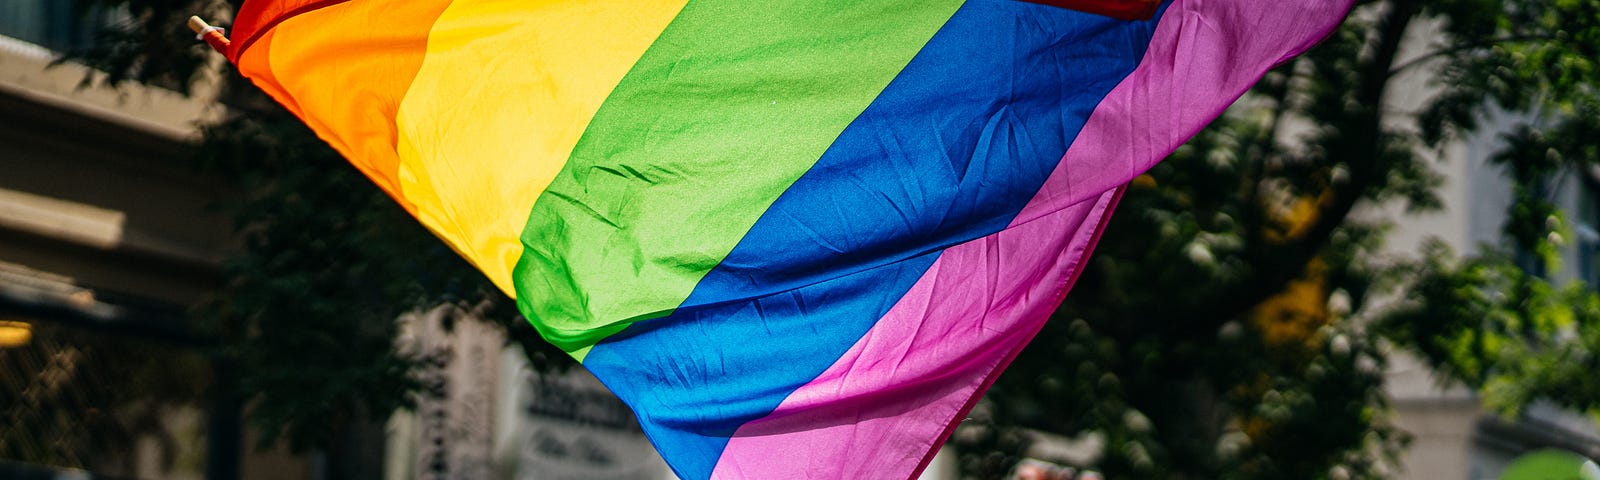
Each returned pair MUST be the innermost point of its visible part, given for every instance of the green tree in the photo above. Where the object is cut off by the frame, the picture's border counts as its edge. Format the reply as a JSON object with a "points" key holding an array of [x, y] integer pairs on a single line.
{"points": [[1227, 326]]}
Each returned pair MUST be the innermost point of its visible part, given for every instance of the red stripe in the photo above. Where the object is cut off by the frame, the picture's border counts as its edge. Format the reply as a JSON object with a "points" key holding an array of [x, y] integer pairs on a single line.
{"points": [[1119, 9], [258, 16]]}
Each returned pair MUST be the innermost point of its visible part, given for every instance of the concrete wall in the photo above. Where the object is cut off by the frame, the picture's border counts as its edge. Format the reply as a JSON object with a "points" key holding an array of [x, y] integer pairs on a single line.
{"points": [[93, 183]]}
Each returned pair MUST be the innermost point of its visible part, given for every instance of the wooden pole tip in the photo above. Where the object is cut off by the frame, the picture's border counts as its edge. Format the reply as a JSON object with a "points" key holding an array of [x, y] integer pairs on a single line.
{"points": [[199, 26]]}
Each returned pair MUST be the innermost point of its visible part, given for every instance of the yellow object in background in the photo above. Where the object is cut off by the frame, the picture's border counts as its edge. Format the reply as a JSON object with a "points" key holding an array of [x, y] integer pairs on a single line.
{"points": [[15, 334]]}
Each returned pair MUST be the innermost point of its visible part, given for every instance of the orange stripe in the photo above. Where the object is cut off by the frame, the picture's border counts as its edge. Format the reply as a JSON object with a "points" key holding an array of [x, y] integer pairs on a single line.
{"points": [[255, 67], [350, 65]]}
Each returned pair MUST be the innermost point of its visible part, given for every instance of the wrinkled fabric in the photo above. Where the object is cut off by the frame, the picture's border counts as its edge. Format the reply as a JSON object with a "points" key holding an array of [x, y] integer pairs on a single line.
{"points": [[799, 239]]}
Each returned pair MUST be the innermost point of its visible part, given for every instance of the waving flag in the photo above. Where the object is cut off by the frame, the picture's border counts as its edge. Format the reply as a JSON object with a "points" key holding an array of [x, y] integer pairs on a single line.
{"points": [[800, 238]]}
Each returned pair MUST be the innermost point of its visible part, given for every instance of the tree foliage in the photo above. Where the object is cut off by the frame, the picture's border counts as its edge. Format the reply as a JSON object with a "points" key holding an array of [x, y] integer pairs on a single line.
{"points": [[1237, 318]]}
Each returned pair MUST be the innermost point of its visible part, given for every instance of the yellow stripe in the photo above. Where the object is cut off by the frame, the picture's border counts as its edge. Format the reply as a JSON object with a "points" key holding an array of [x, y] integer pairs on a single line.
{"points": [[505, 91]]}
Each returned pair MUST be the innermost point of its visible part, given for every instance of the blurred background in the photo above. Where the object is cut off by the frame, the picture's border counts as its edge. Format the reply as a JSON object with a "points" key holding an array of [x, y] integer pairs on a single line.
{"points": [[1379, 264]]}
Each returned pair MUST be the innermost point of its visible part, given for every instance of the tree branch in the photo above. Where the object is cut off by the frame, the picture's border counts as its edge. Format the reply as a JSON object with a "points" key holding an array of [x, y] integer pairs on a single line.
{"points": [[1464, 47], [1362, 147], [1251, 218]]}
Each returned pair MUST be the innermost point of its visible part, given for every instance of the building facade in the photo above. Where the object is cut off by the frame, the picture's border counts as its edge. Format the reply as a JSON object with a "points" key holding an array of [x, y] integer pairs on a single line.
{"points": [[1453, 435], [107, 240]]}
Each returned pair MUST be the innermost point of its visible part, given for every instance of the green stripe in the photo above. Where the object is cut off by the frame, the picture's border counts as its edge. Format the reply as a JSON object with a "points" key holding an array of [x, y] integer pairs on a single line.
{"points": [[732, 103]]}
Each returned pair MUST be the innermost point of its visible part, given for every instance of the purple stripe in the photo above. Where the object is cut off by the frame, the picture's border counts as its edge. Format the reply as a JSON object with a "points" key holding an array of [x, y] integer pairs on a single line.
{"points": [[888, 398], [894, 396]]}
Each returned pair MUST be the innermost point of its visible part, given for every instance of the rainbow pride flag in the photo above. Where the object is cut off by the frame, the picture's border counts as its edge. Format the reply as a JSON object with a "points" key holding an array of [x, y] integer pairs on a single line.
{"points": [[798, 238]]}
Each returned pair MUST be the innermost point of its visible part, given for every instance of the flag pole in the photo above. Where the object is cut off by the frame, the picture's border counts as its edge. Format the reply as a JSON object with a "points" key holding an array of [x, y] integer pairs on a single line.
{"points": [[212, 35]]}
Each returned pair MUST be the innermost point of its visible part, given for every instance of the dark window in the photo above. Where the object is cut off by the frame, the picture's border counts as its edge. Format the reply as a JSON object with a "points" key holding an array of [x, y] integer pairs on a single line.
{"points": [[59, 25], [1586, 227]]}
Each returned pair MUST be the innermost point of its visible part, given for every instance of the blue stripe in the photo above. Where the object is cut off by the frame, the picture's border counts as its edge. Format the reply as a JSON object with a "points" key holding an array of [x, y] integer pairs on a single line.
{"points": [[951, 150]]}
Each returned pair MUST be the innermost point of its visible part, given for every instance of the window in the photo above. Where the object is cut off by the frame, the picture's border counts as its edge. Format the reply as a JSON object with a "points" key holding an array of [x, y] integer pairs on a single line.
{"points": [[58, 25], [1586, 229]]}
